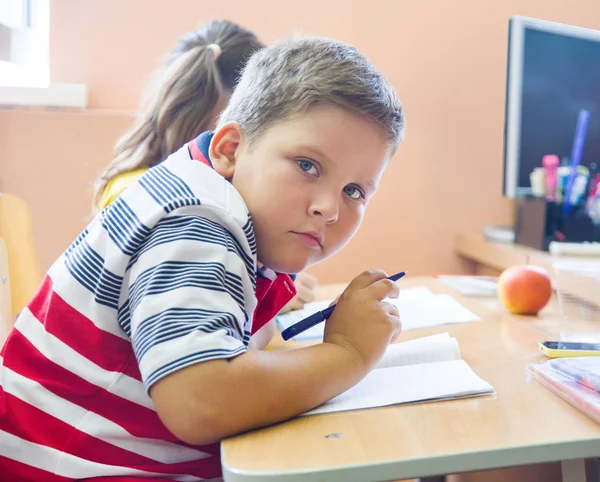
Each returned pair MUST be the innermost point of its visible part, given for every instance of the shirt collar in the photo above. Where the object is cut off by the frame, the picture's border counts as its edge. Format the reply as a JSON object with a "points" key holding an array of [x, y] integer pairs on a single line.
{"points": [[199, 148]]}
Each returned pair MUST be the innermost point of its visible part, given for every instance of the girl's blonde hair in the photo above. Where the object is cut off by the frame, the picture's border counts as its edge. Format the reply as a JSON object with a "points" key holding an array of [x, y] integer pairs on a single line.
{"points": [[180, 102]]}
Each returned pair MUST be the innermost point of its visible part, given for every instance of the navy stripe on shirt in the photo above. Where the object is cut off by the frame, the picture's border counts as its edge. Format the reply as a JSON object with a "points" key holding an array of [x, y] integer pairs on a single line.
{"points": [[171, 275], [167, 189], [123, 226], [176, 322], [189, 360], [194, 228], [87, 267]]}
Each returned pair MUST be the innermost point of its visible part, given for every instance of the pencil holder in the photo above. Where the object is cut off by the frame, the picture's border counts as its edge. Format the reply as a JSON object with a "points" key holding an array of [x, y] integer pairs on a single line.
{"points": [[539, 222]]}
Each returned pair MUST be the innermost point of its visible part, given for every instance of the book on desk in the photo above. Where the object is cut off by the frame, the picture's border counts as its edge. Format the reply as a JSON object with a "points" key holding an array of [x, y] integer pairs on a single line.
{"points": [[422, 370], [575, 380]]}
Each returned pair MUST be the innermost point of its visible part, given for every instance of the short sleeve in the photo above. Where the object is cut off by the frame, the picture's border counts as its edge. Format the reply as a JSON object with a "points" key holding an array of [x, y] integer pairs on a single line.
{"points": [[190, 292]]}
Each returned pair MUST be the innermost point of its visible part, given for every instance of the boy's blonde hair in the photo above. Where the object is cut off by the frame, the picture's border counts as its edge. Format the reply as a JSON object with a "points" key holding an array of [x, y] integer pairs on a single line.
{"points": [[180, 101], [291, 76]]}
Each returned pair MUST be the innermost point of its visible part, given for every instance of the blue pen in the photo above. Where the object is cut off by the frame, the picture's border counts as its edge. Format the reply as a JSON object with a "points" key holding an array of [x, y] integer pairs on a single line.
{"points": [[319, 316], [577, 149]]}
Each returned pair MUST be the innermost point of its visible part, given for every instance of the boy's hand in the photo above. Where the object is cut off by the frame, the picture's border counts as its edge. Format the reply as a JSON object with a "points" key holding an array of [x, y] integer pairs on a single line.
{"points": [[361, 322]]}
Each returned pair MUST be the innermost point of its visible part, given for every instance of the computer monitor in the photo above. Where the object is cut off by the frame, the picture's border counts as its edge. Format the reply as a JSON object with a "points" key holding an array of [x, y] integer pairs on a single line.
{"points": [[553, 72]]}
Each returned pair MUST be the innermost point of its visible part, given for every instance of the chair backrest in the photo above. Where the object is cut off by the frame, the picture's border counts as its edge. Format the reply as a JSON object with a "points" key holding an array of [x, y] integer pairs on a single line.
{"points": [[6, 315], [23, 264]]}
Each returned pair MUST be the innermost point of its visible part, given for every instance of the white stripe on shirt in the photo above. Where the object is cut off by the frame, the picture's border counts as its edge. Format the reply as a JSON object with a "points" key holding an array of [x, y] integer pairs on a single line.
{"points": [[62, 354], [99, 427]]}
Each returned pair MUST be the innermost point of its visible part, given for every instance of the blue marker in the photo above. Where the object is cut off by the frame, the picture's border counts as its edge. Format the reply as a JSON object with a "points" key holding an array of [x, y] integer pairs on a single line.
{"points": [[577, 149], [319, 317]]}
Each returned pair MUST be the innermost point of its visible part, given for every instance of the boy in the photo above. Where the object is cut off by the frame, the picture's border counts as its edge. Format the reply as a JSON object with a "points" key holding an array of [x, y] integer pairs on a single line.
{"points": [[132, 360]]}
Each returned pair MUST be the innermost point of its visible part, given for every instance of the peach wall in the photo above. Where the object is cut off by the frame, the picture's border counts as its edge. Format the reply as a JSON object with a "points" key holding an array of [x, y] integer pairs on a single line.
{"points": [[50, 159], [446, 58]]}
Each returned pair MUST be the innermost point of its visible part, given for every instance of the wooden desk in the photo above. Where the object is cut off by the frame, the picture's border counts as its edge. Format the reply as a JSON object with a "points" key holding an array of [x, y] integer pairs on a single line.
{"points": [[523, 424], [493, 258], [490, 258]]}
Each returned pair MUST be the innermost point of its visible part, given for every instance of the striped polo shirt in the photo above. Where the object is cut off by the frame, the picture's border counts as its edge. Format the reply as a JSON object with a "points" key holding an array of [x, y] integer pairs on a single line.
{"points": [[163, 278]]}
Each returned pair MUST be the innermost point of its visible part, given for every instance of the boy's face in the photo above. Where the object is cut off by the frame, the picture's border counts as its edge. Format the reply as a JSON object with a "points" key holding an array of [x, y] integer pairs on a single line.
{"points": [[306, 182]]}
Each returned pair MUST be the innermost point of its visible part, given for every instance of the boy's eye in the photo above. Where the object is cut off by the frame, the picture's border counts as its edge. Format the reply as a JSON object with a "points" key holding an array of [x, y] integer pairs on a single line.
{"points": [[353, 192], [307, 166]]}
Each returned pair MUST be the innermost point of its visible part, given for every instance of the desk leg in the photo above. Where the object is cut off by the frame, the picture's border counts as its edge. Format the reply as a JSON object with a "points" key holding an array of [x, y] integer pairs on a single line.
{"points": [[573, 470], [592, 470]]}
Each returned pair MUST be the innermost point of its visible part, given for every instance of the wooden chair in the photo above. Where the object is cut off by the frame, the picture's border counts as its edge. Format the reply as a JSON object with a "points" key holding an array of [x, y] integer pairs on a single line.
{"points": [[6, 315], [23, 264]]}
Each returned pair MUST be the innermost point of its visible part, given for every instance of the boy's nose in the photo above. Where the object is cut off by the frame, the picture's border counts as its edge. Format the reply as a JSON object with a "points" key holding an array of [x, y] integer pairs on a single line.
{"points": [[326, 207]]}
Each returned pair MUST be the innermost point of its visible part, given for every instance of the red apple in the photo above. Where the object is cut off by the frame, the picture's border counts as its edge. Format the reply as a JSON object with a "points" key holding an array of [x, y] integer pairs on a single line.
{"points": [[524, 289]]}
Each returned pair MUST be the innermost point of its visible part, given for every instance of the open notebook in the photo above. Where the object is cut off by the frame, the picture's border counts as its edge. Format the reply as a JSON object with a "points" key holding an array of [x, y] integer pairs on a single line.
{"points": [[419, 308], [425, 369]]}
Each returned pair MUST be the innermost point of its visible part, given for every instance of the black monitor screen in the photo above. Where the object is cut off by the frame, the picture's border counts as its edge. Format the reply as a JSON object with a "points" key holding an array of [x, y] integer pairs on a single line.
{"points": [[561, 75]]}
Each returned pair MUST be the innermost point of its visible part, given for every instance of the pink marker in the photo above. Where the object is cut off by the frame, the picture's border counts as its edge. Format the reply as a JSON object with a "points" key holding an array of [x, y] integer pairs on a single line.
{"points": [[550, 163], [592, 194]]}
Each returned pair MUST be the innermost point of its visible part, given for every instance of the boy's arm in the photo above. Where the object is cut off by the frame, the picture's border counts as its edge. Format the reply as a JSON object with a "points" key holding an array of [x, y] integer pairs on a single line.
{"points": [[190, 296], [213, 400], [210, 401]]}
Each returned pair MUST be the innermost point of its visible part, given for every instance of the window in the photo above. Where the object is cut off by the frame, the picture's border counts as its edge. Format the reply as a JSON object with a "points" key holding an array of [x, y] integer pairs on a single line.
{"points": [[24, 35]]}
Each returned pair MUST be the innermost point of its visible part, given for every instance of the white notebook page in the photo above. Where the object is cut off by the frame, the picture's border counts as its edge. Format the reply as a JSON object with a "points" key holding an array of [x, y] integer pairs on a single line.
{"points": [[406, 384], [428, 349]]}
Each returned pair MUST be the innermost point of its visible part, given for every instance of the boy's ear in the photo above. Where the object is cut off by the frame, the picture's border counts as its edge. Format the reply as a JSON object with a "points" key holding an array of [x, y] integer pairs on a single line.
{"points": [[223, 147]]}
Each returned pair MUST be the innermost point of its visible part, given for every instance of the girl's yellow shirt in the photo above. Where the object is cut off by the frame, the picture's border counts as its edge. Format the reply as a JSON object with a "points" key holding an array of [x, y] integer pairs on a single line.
{"points": [[117, 185]]}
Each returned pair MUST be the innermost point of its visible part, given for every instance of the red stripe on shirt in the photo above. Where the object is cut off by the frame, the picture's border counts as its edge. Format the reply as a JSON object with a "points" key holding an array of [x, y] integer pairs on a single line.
{"points": [[13, 471], [126, 479], [43, 429], [88, 340], [30, 363]]}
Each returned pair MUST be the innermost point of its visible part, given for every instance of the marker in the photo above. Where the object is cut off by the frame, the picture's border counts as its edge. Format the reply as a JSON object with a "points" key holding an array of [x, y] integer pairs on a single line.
{"points": [[561, 186], [579, 186], [550, 163], [537, 180], [592, 194], [578, 142], [320, 316]]}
